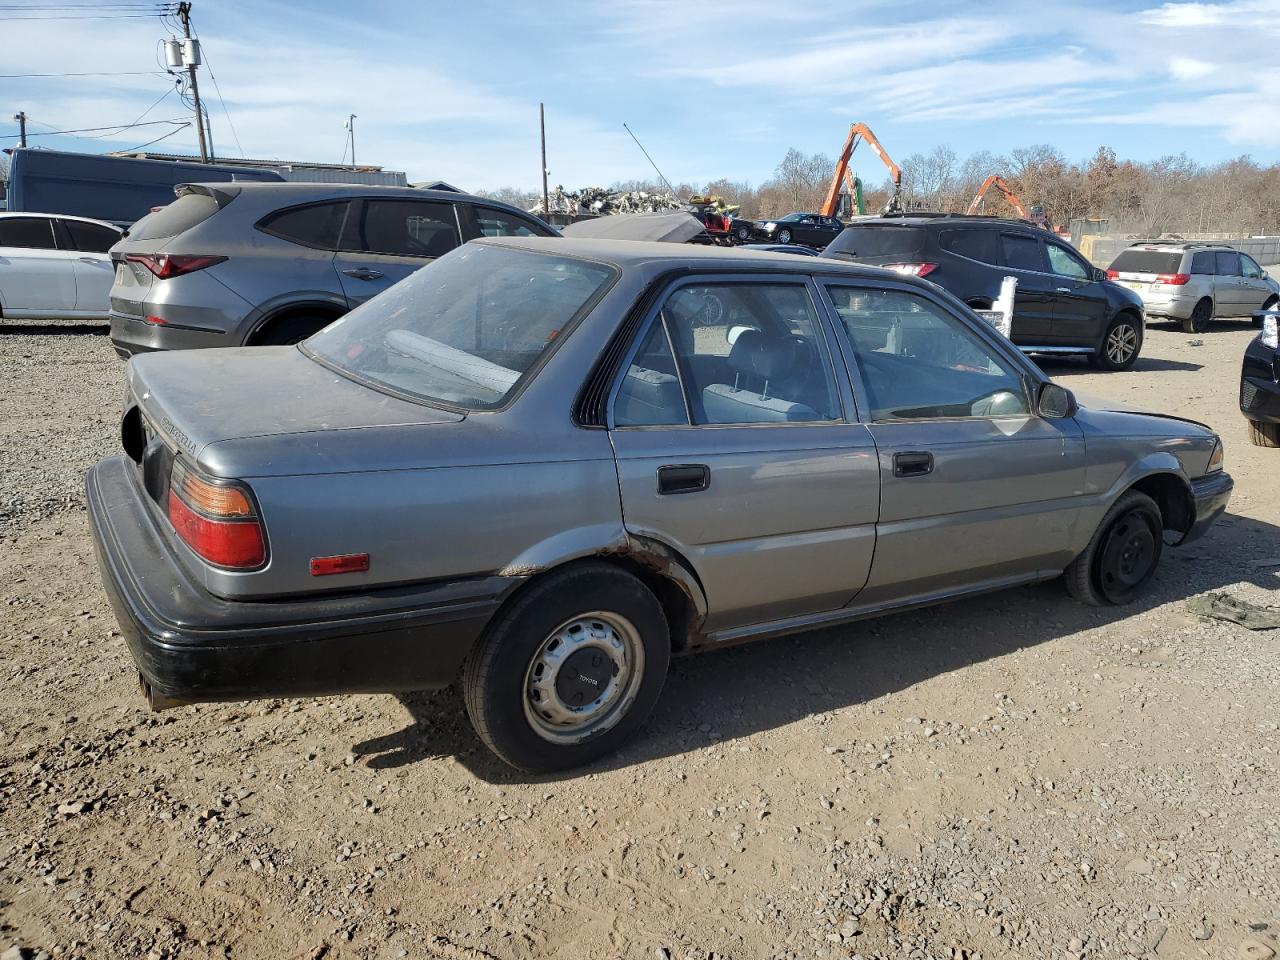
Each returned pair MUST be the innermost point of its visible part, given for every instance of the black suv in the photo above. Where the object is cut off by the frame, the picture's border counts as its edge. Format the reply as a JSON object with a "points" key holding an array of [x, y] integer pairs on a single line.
{"points": [[1063, 303]]}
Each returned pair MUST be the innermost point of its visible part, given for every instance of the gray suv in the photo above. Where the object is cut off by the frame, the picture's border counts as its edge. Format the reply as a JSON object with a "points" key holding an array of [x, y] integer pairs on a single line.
{"points": [[1194, 282], [246, 264]]}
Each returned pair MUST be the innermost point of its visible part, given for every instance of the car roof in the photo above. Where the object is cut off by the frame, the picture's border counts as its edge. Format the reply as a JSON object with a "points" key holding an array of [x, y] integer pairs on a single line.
{"points": [[1178, 246], [6, 214], [637, 254], [300, 192], [924, 219]]}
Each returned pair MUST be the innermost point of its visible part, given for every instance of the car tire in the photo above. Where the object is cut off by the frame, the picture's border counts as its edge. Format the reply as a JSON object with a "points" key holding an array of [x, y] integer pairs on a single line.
{"points": [[289, 330], [1121, 344], [1201, 315], [784, 236], [1122, 556], [525, 699], [1263, 434], [744, 234]]}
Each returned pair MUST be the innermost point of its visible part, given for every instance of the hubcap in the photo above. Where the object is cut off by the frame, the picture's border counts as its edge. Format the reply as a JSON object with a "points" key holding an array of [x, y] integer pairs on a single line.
{"points": [[784, 236], [1121, 342], [1129, 556], [584, 677]]}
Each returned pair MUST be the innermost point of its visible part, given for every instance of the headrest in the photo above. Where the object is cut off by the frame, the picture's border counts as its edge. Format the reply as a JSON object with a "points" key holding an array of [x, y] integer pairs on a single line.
{"points": [[762, 356]]}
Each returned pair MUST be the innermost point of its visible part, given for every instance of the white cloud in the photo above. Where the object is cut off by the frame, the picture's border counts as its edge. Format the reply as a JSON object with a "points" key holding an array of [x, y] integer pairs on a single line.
{"points": [[1186, 68]]}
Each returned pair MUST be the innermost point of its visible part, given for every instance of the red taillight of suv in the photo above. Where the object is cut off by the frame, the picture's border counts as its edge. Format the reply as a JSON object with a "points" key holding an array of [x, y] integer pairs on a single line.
{"points": [[166, 265], [1113, 274], [216, 520], [913, 269], [1173, 279]]}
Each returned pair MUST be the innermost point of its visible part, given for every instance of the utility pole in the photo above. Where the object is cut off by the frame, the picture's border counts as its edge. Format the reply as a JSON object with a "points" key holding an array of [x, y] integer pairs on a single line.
{"points": [[21, 117], [542, 123], [351, 135], [184, 13]]}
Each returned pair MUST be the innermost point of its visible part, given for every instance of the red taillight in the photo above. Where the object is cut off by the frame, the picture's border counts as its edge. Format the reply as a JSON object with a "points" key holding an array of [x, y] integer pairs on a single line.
{"points": [[1113, 274], [1173, 279], [216, 520], [166, 265], [913, 269], [152, 318], [346, 563]]}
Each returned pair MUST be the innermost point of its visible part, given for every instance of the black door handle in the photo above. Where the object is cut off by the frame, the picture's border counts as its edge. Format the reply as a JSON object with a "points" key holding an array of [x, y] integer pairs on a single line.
{"points": [[363, 273], [912, 464], [683, 478]]}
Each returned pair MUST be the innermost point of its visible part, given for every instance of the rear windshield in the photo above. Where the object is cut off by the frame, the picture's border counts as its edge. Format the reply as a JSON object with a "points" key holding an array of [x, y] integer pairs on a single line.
{"points": [[169, 221], [465, 329], [1147, 261], [857, 243]]}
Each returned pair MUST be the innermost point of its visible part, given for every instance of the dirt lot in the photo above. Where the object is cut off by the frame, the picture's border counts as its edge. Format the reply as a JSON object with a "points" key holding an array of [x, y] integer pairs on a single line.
{"points": [[1012, 776]]}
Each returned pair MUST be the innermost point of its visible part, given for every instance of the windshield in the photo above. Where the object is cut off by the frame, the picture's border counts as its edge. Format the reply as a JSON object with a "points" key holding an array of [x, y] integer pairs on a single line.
{"points": [[465, 329]]}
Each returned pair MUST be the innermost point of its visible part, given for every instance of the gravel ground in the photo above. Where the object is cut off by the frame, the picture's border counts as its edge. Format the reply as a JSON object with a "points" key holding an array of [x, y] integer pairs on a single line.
{"points": [[1010, 776]]}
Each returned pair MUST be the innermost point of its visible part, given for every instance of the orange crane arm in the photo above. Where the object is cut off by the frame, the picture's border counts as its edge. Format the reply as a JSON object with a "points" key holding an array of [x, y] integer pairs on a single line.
{"points": [[832, 202], [997, 181]]}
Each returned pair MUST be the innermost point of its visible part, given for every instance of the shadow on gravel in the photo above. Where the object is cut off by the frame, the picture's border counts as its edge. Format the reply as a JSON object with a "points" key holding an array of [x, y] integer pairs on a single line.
{"points": [[55, 329], [744, 690], [1069, 366]]}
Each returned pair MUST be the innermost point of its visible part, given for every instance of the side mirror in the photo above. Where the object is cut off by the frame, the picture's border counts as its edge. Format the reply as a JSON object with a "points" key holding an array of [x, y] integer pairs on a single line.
{"points": [[1099, 273], [1056, 403]]}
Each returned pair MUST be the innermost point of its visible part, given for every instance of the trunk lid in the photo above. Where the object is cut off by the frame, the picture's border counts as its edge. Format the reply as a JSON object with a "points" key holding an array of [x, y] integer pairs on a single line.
{"points": [[196, 398]]}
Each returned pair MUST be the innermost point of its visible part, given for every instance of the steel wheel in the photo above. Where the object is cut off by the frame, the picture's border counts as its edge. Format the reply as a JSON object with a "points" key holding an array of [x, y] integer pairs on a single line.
{"points": [[583, 677], [784, 236], [1121, 344], [1129, 555], [744, 234]]}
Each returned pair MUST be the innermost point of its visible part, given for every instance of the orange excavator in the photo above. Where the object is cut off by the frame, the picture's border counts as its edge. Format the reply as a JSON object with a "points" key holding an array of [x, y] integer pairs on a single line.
{"points": [[997, 181], [831, 205]]}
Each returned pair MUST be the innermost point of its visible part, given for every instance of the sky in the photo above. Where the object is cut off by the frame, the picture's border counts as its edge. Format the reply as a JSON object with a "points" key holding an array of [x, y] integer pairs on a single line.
{"points": [[712, 89]]}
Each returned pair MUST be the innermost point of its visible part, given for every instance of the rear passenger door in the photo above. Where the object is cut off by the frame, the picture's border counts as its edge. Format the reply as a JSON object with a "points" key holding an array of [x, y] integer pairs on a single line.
{"points": [[1080, 301], [1228, 289], [736, 445], [36, 277], [1022, 255], [387, 238]]}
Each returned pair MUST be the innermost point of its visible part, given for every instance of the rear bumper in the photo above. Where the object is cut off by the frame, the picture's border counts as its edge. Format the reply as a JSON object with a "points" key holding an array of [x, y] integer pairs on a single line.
{"points": [[130, 336], [191, 646], [1210, 494]]}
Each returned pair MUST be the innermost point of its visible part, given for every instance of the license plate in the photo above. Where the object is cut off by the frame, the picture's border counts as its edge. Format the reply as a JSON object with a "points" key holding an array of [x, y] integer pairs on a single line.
{"points": [[1135, 285]]}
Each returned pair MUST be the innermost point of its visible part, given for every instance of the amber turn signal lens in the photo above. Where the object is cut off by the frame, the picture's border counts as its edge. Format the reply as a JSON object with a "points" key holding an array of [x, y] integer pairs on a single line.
{"points": [[1216, 458], [213, 500]]}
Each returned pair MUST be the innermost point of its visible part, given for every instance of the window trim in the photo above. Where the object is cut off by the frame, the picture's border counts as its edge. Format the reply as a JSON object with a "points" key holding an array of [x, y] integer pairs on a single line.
{"points": [[1071, 255], [1004, 349], [356, 211], [348, 203], [1038, 241], [654, 312]]}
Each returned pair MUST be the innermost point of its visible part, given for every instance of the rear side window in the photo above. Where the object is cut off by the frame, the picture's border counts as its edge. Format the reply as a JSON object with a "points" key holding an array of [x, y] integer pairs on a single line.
{"points": [[31, 233], [1150, 261], [1201, 263], [974, 244], [497, 223], [90, 237], [184, 213], [1021, 253], [315, 225], [856, 243], [1228, 263], [405, 228]]}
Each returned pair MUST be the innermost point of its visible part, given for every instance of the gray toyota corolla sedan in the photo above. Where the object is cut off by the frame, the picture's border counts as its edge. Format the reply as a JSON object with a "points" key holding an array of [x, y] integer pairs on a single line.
{"points": [[546, 465]]}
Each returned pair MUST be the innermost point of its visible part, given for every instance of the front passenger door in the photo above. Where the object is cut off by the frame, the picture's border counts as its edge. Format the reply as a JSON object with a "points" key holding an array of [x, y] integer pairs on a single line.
{"points": [[386, 239], [976, 489], [1080, 301], [1256, 291]]}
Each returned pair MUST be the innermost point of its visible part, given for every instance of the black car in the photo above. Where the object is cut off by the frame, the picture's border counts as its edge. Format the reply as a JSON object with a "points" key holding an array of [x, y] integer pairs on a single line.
{"points": [[1260, 382], [742, 230], [780, 248], [1063, 304], [811, 229]]}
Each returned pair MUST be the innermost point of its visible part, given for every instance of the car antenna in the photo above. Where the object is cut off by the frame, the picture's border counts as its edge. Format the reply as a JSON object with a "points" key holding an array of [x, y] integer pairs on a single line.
{"points": [[662, 176]]}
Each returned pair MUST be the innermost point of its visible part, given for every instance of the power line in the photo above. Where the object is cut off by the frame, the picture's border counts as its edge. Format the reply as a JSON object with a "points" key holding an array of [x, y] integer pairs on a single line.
{"points": [[98, 73], [121, 127], [218, 90], [157, 139], [88, 16]]}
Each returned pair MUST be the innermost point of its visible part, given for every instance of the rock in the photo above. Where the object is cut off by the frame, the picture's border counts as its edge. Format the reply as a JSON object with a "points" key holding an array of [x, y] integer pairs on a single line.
{"points": [[16, 953], [1155, 933], [1202, 931], [1251, 949], [72, 808], [662, 953], [1138, 866]]}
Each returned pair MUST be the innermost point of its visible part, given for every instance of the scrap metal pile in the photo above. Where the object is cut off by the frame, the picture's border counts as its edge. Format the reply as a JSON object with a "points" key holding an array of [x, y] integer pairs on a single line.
{"points": [[602, 202]]}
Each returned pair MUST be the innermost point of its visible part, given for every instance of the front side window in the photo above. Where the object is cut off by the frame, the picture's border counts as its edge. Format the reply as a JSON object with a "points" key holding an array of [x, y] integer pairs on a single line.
{"points": [[1250, 267], [1228, 263], [405, 228], [1021, 253], [918, 362], [31, 233], [1064, 264], [745, 353], [498, 223], [315, 225], [91, 237], [466, 329]]}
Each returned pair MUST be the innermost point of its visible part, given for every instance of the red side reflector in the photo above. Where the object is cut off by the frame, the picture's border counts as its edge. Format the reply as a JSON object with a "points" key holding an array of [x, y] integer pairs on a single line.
{"points": [[152, 318], [1173, 279], [345, 563]]}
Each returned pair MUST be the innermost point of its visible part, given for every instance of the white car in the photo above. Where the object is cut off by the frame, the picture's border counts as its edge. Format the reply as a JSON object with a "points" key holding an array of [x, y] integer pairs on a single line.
{"points": [[55, 266]]}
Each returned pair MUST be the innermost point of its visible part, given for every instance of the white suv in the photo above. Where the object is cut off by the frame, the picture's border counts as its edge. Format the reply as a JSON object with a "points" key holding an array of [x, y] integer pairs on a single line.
{"points": [[1194, 282], [55, 266]]}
